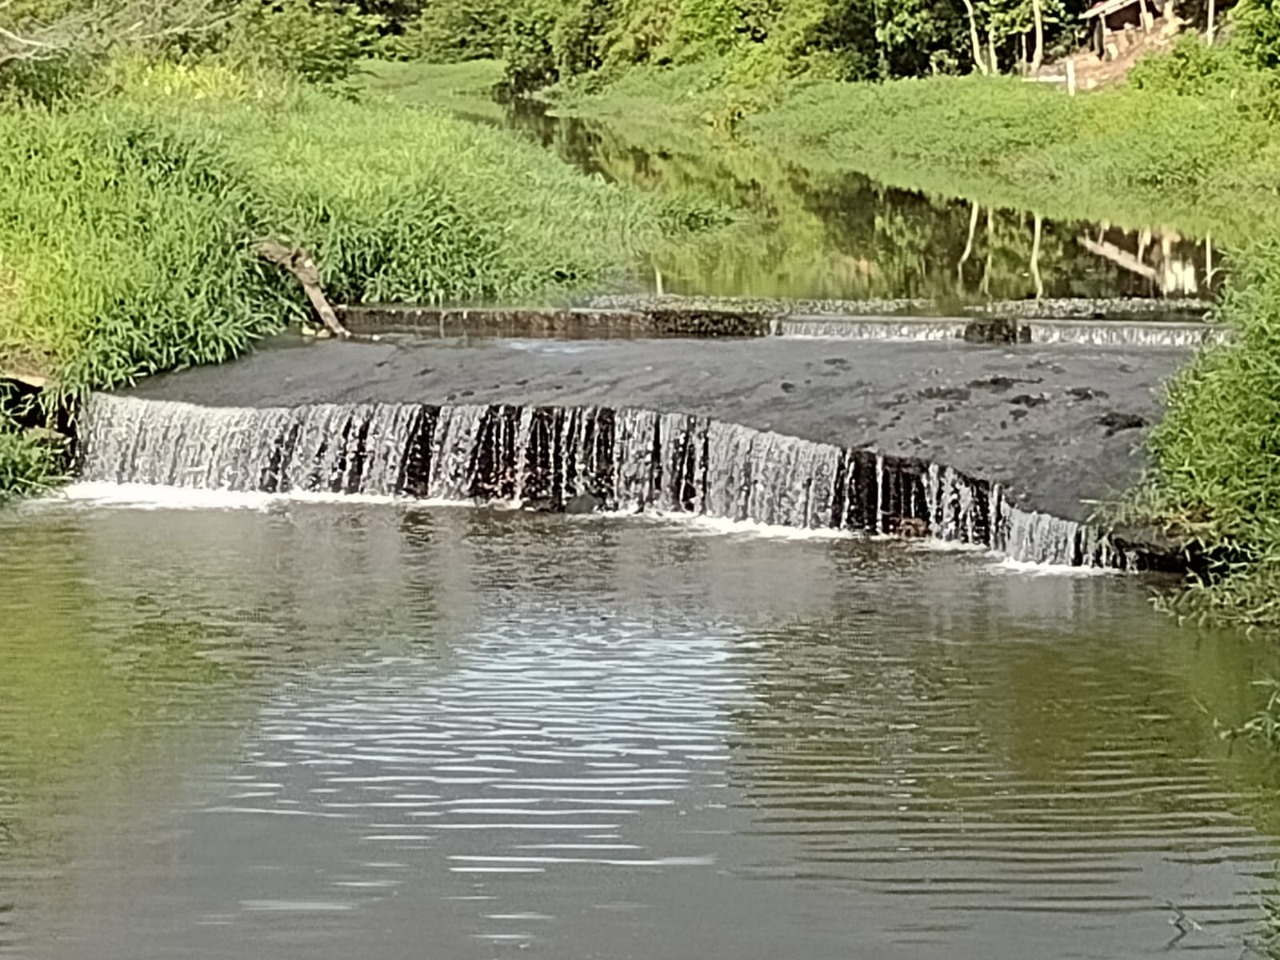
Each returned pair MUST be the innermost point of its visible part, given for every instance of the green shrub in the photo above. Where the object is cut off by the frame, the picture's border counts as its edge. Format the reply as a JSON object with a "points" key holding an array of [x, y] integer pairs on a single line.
{"points": [[1217, 476], [1257, 32], [30, 462], [526, 46], [318, 40], [455, 30]]}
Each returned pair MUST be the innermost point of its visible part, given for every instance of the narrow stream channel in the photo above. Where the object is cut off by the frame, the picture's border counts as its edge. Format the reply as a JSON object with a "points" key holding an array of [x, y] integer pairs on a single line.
{"points": [[270, 728]]}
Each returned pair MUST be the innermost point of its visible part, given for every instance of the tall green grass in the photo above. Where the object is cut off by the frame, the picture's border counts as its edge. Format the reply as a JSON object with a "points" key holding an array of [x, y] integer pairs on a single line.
{"points": [[1217, 479], [128, 222]]}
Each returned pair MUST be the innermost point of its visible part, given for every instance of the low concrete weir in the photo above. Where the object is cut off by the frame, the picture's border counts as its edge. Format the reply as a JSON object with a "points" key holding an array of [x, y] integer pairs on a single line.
{"points": [[558, 458], [625, 323]]}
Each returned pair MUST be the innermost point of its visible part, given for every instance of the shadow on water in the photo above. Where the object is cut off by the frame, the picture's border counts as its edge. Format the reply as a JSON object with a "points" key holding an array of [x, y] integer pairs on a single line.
{"points": [[805, 235]]}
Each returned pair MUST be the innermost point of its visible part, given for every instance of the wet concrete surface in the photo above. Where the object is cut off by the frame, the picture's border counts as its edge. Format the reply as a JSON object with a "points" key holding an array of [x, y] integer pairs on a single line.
{"points": [[1061, 426]]}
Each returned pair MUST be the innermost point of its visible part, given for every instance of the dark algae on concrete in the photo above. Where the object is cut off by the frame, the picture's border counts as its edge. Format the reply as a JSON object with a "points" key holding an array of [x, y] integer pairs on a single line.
{"points": [[1046, 426]]}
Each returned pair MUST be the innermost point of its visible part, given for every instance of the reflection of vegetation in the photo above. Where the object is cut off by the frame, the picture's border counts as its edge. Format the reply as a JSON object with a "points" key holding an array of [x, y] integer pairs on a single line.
{"points": [[84, 708], [1264, 726], [805, 234]]}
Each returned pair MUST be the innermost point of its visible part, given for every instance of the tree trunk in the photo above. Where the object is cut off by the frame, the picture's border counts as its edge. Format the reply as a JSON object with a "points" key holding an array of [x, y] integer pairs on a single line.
{"points": [[978, 58], [1208, 30], [298, 262], [1037, 61]]}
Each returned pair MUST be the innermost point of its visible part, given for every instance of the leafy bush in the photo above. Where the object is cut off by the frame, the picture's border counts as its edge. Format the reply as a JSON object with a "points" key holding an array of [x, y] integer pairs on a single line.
{"points": [[30, 462], [318, 40], [527, 48], [1257, 32], [454, 31]]}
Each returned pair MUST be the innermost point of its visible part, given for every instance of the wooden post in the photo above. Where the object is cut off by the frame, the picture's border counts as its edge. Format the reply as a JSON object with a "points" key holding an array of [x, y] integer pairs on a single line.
{"points": [[1071, 77], [1208, 33]]}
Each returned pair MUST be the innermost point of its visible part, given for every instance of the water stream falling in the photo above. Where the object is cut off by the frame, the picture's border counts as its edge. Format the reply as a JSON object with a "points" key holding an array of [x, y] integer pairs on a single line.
{"points": [[550, 458]]}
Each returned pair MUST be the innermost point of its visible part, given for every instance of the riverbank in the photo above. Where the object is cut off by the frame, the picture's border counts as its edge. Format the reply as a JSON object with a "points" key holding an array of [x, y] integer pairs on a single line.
{"points": [[130, 247], [1153, 152]]}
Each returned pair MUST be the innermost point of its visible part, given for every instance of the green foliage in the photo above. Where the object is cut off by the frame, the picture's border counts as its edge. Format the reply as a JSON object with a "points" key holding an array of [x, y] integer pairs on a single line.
{"points": [[1263, 728], [1217, 479], [527, 48], [759, 41], [1257, 32], [455, 31], [30, 462], [318, 40], [1226, 73]]}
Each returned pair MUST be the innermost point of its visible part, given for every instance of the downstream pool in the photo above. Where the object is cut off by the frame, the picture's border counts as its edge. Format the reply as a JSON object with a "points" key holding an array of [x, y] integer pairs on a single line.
{"points": [[338, 730]]}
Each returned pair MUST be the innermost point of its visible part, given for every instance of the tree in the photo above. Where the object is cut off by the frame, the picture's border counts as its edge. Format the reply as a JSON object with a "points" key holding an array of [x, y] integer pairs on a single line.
{"points": [[34, 31], [1038, 14]]}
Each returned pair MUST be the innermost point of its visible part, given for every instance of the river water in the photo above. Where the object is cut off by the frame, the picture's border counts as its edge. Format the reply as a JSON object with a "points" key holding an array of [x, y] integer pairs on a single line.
{"points": [[809, 235], [269, 728]]}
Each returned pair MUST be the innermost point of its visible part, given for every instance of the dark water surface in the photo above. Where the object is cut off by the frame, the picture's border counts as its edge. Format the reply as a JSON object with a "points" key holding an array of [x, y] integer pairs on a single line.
{"points": [[352, 730], [810, 235]]}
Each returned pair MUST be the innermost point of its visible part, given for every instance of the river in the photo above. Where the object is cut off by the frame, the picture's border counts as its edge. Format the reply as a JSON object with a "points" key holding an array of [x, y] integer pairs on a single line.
{"points": [[279, 728], [807, 235], [328, 726]]}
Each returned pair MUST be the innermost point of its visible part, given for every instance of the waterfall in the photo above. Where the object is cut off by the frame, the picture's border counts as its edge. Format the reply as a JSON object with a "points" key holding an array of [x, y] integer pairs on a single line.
{"points": [[546, 457]]}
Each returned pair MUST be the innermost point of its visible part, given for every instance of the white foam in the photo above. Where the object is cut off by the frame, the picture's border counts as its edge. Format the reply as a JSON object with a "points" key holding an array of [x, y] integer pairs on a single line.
{"points": [[146, 496], [142, 496], [1028, 568], [720, 526]]}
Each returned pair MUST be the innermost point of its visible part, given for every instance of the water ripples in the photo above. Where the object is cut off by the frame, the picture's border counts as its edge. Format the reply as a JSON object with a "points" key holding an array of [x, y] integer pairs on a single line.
{"points": [[671, 744]]}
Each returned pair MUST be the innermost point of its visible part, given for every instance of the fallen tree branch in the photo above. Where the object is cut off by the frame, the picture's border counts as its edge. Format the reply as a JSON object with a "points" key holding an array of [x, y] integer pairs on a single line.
{"points": [[106, 25], [298, 262]]}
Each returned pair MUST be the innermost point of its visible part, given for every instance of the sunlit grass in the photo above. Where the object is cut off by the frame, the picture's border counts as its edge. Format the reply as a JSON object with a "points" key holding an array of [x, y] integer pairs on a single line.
{"points": [[127, 243]]}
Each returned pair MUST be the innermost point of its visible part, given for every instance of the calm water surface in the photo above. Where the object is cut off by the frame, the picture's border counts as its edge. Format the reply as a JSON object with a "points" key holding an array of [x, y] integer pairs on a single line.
{"points": [[808, 235], [351, 730]]}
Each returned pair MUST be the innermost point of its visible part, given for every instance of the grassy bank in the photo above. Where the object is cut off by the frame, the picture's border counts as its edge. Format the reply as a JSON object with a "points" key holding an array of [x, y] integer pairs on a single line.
{"points": [[129, 245], [1153, 153], [131, 220], [1217, 479]]}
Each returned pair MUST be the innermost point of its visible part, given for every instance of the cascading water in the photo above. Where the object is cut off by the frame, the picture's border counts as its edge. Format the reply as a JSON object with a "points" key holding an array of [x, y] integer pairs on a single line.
{"points": [[546, 457]]}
